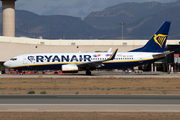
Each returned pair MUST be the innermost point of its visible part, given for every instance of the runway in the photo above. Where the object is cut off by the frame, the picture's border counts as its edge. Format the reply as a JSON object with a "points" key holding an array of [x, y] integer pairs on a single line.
{"points": [[90, 103], [89, 99], [93, 107]]}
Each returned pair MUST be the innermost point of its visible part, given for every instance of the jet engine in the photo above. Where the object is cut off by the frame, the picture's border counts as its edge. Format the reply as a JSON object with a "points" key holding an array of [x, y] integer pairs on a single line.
{"points": [[70, 68]]}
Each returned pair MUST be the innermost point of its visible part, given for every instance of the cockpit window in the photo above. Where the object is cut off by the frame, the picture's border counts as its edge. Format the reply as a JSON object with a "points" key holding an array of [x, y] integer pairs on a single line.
{"points": [[13, 59]]}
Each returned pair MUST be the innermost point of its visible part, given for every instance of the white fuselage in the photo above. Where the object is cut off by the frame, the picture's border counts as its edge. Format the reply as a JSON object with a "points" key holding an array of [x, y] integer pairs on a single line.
{"points": [[48, 61]]}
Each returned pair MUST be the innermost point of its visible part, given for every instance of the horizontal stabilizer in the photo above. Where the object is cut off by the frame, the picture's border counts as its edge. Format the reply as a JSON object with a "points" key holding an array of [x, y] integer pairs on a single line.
{"points": [[162, 54]]}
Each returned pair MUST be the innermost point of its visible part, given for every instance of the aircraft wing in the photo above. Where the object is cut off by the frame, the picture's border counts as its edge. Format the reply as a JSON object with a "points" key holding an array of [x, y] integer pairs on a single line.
{"points": [[96, 63], [162, 54]]}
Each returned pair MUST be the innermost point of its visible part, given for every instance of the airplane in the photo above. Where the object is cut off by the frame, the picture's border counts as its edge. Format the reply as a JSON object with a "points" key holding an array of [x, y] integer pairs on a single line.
{"points": [[152, 51]]}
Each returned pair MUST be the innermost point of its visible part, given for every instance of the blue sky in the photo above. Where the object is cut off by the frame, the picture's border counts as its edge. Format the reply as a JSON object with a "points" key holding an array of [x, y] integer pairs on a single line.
{"points": [[78, 8]]}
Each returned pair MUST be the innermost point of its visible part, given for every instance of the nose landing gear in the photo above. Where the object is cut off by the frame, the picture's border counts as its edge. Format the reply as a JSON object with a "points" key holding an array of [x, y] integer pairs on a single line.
{"points": [[21, 73]]}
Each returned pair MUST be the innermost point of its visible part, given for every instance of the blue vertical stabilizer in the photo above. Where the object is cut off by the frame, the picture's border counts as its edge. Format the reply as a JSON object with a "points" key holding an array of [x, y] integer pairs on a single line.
{"points": [[158, 42]]}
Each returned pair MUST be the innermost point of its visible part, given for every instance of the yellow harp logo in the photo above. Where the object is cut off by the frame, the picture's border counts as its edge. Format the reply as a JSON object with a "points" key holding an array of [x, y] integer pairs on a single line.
{"points": [[159, 39]]}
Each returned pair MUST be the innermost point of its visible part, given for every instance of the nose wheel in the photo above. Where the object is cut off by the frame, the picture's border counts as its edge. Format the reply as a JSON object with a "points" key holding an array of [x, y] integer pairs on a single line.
{"points": [[88, 72], [21, 73]]}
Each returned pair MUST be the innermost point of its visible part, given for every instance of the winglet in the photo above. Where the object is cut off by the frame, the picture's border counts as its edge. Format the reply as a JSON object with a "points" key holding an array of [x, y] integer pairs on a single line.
{"points": [[109, 49], [113, 55]]}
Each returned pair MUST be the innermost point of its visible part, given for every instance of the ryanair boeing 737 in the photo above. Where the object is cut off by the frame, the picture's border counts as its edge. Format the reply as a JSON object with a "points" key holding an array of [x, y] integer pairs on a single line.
{"points": [[74, 62]]}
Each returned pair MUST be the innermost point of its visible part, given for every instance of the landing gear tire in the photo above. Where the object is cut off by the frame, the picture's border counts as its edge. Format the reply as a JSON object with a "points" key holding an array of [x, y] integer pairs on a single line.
{"points": [[88, 72]]}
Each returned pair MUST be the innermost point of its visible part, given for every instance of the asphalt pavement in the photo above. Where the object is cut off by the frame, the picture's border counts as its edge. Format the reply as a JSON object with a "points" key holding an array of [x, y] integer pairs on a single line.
{"points": [[89, 99], [106, 103]]}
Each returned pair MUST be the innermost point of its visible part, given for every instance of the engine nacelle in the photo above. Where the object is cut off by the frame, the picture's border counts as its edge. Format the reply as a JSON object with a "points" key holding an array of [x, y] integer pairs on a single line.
{"points": [[70, 68]]}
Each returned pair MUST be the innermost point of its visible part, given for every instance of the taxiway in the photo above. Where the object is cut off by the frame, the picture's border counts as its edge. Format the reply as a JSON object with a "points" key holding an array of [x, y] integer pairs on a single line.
{"points": [[90, 103]]}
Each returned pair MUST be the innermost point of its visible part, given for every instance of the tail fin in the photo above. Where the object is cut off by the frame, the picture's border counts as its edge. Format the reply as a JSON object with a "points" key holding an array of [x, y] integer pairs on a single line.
{"points": [[158, 41]]}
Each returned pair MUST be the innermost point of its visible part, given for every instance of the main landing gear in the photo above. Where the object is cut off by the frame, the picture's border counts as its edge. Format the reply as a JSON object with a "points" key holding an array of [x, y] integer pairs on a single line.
{"points": [[88, 72]]}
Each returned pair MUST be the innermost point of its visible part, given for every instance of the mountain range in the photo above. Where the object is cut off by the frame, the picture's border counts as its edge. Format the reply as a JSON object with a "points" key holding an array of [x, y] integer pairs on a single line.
{"points": [[142, 20]]}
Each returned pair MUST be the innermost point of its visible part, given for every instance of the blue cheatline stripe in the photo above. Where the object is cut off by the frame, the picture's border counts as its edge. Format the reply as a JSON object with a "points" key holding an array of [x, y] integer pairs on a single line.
{"points": [[69, 71], [65, 63]]}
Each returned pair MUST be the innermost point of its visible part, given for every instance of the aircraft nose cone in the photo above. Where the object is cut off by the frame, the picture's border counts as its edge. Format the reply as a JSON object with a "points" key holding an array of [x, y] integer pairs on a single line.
{"points": [[6, 64]]}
